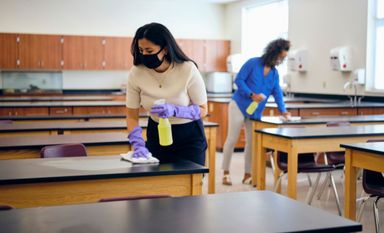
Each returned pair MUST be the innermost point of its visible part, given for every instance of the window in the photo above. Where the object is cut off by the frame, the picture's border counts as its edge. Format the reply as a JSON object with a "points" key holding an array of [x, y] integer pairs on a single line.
{"points": [[262, 24], [375, 61]]}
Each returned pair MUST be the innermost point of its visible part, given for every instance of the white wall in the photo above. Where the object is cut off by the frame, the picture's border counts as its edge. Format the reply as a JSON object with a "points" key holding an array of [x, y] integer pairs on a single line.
{"points": [[320, 25], [185, 19], [317, 25]]}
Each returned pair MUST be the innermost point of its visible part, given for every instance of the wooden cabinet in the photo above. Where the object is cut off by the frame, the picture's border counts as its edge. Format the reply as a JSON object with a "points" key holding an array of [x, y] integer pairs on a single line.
{"points": [[8, 51], [370, 111], [216, 53], [117, 53], [328, 112], [43, 52], [60, 111], [83, 52], [275, 112], [194, 49], [107, 110], [218, 112], [210, 55], [56, 52], [34, 111]]}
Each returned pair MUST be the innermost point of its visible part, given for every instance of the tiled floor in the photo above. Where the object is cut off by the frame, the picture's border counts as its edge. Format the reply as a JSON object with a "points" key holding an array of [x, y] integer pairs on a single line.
{"points": [[327, 202]]}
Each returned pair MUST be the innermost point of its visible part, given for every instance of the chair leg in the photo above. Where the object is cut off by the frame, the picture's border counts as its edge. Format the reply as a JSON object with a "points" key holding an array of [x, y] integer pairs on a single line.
{"points": [[312, 190], [361, 207], [278, 182], [272, 160], [309, 180], [376, 214], [336, 194], [323, 186]]}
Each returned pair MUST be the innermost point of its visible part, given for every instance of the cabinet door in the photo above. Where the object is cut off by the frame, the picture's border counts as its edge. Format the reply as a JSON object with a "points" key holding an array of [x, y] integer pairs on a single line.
{"points": [[40, 51], [328, 112], [51, 52], [9, 51], [60, 111], [37, 111], [216, 53], [118, 53], [29, 52], [195, 50], [93, 50], [370, 111], [73, 53]]}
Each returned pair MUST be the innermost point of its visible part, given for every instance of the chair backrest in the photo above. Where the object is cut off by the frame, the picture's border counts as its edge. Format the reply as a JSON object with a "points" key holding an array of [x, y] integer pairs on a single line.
{"points": [[132, 198], [338, 123], [373, 181], [64, 150], [5, 207]]}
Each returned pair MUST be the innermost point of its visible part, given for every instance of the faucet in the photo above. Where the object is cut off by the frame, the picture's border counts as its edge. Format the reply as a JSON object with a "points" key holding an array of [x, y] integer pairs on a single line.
{"points": [[355, 100]]}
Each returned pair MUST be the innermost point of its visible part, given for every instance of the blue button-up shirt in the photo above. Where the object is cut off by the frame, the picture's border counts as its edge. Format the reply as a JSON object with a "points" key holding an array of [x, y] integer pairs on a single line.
{"points": [[251, 79]]}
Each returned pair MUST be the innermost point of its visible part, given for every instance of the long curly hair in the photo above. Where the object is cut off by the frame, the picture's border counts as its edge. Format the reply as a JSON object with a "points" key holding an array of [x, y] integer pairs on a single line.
{"points": [[272, 51]]}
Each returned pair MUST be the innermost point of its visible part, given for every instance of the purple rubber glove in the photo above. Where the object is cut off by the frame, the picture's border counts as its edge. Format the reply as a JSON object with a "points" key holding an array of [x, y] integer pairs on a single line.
{"points": [[138, 143], [170, 110]]}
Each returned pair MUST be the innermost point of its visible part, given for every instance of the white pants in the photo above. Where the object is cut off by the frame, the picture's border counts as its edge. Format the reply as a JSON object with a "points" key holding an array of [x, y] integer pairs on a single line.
{"points": [[236, 120]]}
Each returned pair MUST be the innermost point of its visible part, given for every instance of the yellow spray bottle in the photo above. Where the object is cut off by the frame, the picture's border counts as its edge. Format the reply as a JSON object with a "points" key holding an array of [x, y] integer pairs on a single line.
{"points": [[252, 107], [164, 128]]}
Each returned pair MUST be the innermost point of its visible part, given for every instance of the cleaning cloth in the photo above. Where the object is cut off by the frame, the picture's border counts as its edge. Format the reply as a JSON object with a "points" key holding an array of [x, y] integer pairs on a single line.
{"points": [[129, 157]]}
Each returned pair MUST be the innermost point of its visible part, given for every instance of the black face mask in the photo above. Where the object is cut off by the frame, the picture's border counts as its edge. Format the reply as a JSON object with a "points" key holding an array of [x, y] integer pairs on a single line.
{"points": [[151, 60]]}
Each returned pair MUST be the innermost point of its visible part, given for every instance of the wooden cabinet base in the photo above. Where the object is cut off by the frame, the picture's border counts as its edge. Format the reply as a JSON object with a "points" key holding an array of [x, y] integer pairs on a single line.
{"points": [[90, 191]]}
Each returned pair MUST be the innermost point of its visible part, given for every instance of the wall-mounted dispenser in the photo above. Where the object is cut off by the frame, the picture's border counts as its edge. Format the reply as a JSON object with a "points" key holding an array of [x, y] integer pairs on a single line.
{"points": [[341, 58], [298, 60]]}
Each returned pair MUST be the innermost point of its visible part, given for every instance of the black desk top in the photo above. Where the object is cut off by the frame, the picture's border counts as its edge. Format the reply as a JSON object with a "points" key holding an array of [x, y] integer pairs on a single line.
{"points": [[93, 125], [61, 117], [246, 212], [371, 147], [345, 104], [41, 141], [324, 120], [61, 104], [25, 171], [325, 132]]}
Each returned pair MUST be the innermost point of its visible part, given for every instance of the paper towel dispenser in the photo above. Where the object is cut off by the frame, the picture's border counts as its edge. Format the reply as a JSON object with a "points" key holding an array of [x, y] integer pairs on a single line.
{"points": [[298, 60], [341, 59]]}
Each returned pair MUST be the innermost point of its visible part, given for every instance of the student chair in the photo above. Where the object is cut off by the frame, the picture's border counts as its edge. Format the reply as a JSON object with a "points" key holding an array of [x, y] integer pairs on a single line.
{"points": [[64, 150], [373, 184], [336, 158]]}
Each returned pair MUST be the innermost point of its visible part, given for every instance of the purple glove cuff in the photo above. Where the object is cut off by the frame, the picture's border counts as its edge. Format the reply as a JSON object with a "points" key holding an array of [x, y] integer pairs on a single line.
{"points": [[169, 110], [188, 112], [136, 138]]}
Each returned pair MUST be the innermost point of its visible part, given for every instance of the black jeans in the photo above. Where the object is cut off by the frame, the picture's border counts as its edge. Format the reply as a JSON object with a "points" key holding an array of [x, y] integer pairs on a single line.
{"points": [[189, 142]]}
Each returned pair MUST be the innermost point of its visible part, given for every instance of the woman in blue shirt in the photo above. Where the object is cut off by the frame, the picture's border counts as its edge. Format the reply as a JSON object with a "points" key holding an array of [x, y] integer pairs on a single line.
{"points": [[257, 80]]}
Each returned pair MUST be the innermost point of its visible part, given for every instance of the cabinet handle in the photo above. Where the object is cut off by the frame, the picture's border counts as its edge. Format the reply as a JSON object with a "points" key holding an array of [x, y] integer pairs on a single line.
{"points": [[41, 63], [16, 113], [85, 65], [344, 113], [315, 113], [9, 113]]}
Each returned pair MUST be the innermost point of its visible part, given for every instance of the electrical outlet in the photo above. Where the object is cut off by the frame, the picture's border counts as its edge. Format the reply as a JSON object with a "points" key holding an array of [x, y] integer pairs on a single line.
{"points": [[324, 84]]}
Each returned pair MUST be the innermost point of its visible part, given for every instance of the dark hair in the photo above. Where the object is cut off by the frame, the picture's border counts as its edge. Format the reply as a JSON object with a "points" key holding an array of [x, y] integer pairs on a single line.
{"points": [[161, 36], [272, 51]]}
